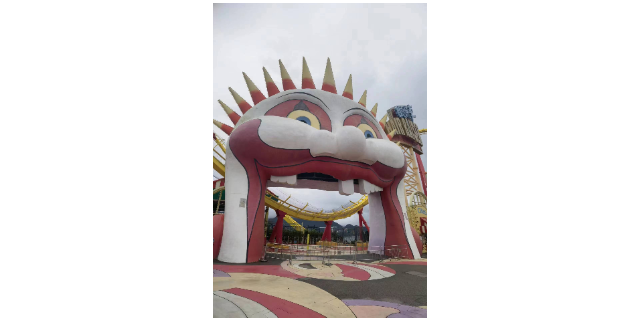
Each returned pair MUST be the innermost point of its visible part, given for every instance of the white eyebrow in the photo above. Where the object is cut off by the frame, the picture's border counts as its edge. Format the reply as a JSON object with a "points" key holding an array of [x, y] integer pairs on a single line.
{"points": [[359, 111], [322, 102]]}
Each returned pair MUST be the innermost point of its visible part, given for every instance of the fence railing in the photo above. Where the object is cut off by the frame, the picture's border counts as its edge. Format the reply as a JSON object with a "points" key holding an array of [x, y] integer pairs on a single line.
{"points": [[332, 251]]}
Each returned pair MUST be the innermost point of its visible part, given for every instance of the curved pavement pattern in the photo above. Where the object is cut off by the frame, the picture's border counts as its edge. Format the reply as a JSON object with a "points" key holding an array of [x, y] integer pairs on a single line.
{"points": [[341, 271], [309, 289]]}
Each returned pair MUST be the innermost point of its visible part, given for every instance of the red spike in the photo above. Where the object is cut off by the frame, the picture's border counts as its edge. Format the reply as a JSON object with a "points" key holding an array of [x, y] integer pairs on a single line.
{"points": [[272, 89], [257, 96], [329, 88], [287, 84], [227, 129], [308, 84]]}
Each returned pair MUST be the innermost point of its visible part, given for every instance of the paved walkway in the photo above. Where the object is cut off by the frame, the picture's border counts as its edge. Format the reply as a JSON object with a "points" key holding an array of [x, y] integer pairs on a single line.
{"points": [[310, 289]]}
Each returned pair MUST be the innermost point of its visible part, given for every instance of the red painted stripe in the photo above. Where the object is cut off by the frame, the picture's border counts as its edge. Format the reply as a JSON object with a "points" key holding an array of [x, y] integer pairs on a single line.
{"points": [[280, 307], [227, 129], [244, 106], [329, 88], [362, 105], [383, 268], [382, 125], [272, 89], [271, 270], [308, 84], [347, 95], [256, 96], [353, 272], [234, 117], [221, 183], [287, 84]]}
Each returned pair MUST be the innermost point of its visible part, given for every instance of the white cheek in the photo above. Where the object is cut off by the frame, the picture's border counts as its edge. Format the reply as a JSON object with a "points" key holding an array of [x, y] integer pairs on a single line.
{"points": [[385, 152], [284, 133]]}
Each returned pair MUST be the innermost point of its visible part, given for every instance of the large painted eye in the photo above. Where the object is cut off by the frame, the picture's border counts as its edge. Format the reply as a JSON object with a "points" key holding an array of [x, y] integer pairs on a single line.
{"points": [[367, 130], [303, 111], [306, 117]]}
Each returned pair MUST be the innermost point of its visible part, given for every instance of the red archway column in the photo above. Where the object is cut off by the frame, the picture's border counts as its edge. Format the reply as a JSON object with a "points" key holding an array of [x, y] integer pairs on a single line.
{"points": [[326, 236], [277, 230], [362, 221]]}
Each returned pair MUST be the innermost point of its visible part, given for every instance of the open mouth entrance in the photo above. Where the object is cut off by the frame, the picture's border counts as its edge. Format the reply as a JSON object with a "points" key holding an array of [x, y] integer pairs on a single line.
{"points": [[321, 181], [315, 240]]}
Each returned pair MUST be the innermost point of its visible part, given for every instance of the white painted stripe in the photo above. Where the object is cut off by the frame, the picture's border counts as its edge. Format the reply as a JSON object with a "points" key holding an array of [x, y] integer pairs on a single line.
{"points": [[375, 273], [251, 308], [223, 308]]}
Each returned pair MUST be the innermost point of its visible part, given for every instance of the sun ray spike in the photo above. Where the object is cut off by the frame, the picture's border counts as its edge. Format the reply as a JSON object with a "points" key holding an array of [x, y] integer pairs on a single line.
{"points": [[287, 83], [391, 134], [348, 89], [227, 129], [232, 114], [307, 81], [242, 104], [374, 110], [383, 121], [256, 95], [363, 99], [328, 83], [272, 89]]}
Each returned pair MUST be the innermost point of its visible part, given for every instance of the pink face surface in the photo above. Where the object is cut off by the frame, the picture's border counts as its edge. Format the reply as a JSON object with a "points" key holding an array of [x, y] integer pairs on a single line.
{"points": [[307, 131]]}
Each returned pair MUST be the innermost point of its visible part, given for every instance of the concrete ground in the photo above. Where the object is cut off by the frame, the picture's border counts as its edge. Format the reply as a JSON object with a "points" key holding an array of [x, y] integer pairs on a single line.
{"points": [[305, 289], [403, 288]]}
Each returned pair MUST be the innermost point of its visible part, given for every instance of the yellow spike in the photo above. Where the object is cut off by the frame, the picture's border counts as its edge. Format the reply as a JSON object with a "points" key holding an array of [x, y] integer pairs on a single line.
{"points": [[307, 80], [348, 89], [305, 69], [225, 107], [374, 110], [236, 96], [267, 76], [252, 87], [328, 75], [283, 72], [392, 133], [363, 99], [384, 119], [217, 123]]}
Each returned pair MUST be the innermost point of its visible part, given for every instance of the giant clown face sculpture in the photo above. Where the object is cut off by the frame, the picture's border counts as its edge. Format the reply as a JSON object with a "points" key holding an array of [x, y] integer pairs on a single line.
{"points": [[309, 138]]}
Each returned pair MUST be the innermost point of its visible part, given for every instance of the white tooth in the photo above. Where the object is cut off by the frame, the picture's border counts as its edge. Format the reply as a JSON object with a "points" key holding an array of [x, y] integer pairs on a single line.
{"points": [[345, 187], [366, 187], [291, 180]]}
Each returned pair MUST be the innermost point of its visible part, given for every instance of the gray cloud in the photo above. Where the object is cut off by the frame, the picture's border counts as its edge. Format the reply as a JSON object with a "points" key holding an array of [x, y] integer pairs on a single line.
{"points": [[382, 45]]}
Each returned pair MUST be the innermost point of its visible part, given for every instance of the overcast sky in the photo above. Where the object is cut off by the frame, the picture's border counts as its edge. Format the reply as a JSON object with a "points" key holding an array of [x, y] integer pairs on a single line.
{"points": [[384, 47]]}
